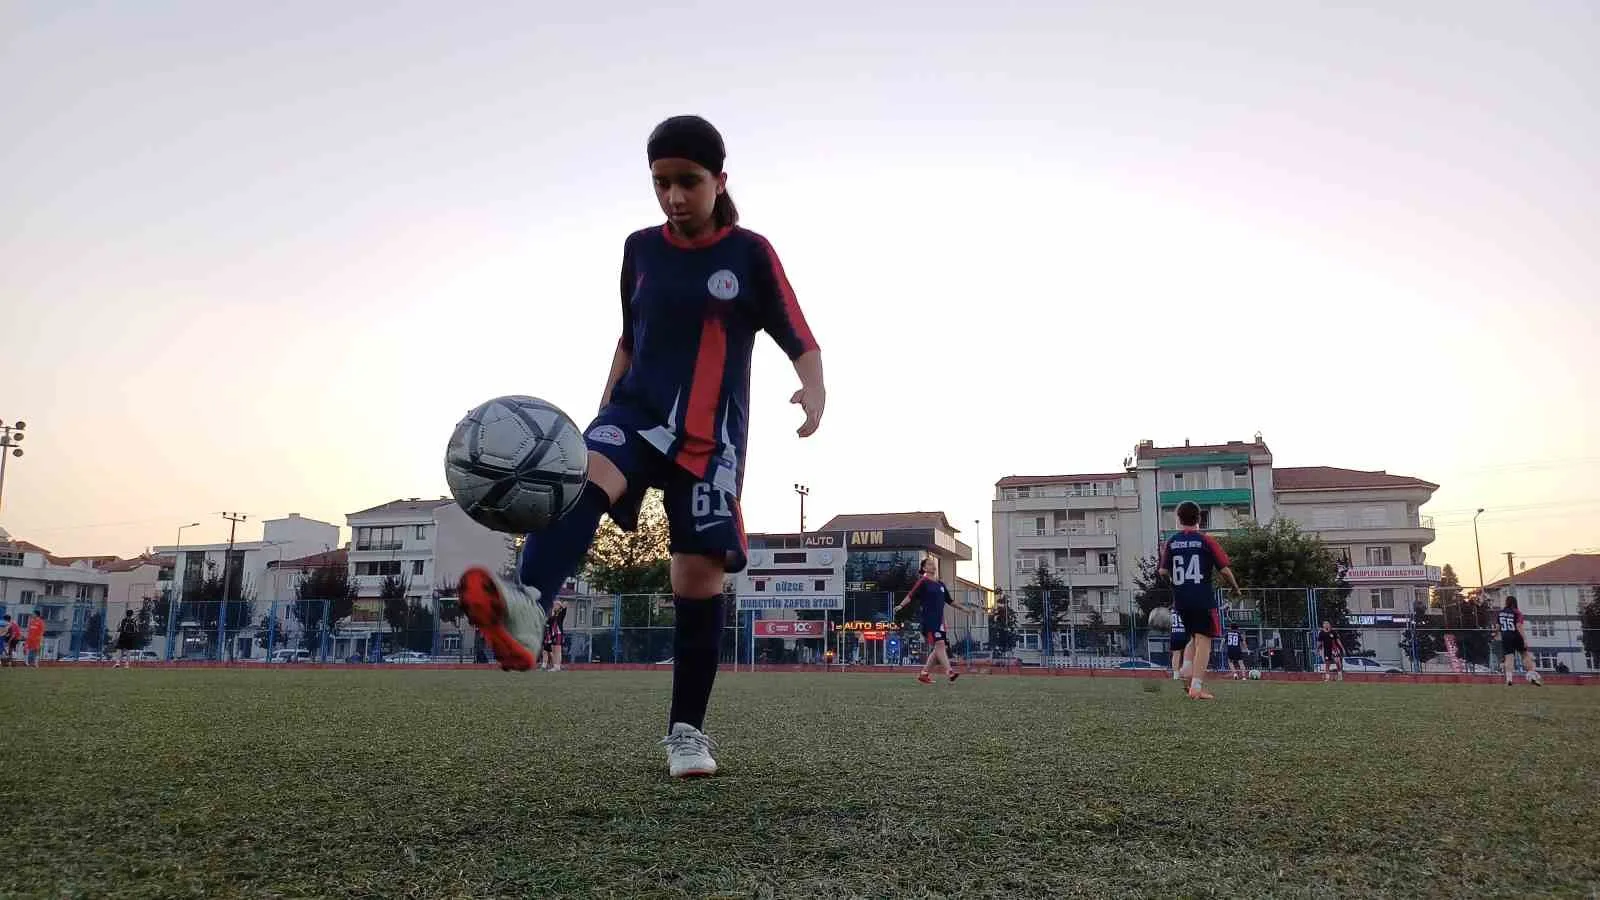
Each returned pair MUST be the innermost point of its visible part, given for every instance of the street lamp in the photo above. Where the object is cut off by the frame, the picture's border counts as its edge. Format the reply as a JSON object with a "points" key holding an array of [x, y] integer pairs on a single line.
{"points": [[10, 436], [1478, 549]]}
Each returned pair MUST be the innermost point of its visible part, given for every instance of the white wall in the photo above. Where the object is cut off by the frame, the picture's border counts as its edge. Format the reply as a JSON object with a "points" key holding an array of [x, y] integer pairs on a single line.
{"points": [[460, 542]]}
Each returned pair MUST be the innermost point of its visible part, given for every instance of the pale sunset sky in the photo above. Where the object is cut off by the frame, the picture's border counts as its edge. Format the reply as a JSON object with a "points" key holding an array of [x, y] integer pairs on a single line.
{"points": [[261, 257]]}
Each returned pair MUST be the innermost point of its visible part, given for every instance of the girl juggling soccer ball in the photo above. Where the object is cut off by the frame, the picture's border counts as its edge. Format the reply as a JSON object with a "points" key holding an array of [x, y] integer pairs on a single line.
{"points": [[674, 415]]}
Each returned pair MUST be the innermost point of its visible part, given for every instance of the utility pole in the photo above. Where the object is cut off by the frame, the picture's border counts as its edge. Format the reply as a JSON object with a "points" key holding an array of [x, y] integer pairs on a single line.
{"points": [[804, 492], [1477, 548], [1511, 572], [227, 577]]}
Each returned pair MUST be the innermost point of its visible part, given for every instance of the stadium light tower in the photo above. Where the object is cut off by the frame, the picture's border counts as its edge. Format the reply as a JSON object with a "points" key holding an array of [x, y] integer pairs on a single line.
{"points": [[10, 436], [804, 492]]}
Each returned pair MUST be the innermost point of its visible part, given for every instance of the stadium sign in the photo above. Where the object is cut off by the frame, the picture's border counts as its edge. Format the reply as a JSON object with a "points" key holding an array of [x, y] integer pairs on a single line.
{"points": [[788, 628], [1363, 574], [800, 579]]}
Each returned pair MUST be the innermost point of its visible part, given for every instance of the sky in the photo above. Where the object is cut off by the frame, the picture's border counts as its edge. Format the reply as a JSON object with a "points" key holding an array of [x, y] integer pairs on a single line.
{"points": [[262, 257]]}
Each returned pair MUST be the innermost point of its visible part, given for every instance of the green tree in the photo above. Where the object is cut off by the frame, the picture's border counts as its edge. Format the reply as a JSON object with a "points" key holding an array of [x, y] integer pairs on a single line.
{"points": [[1466, 620], [632, 562], [1045, 586], [1151, 588], [419, 628], [1002, 624], [1283, 562], [326, 594], [204, 605], [1589, 618], [392, 593], [94, 630]]}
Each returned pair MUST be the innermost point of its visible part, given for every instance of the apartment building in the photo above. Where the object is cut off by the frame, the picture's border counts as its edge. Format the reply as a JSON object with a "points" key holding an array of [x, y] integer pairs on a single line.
{"points": [[1552, 597]]}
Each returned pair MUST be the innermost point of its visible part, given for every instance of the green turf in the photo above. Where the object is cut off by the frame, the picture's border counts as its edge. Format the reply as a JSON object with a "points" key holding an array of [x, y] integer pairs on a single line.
{"points": [[299, 783]]}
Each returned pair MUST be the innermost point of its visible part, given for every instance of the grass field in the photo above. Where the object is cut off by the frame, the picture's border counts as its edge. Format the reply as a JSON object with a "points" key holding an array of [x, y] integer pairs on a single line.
{"points": [[461, 783]]}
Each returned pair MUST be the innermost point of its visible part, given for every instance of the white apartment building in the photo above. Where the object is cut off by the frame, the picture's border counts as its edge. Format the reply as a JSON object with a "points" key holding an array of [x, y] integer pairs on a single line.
{"points": [[1098, 527], [1552, 598], [287, 538], [65, 591], [427, 543]]}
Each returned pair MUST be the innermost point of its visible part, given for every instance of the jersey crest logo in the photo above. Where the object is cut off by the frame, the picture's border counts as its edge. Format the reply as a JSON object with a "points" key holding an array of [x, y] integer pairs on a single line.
{"points": [[608, 434], [723, 285]]}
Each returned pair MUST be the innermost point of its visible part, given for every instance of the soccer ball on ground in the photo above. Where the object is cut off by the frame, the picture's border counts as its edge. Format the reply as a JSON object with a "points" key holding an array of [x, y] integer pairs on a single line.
{"points": [[1161, 619], [516, 464], [1254, 675]]}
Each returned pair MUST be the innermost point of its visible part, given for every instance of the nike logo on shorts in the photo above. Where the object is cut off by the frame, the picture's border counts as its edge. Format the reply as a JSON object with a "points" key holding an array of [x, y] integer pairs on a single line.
{"points": [[707, 526]]}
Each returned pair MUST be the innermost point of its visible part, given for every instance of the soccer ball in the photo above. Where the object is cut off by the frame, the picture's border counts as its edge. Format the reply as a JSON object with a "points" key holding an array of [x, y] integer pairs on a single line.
{"points": [[1254, 675], [1161, 619], [515, 464]]}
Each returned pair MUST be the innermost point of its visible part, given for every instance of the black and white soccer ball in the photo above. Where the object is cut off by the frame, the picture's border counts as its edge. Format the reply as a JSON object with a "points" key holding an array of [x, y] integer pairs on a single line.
{"points": [[516, 464], [1161, 619]]}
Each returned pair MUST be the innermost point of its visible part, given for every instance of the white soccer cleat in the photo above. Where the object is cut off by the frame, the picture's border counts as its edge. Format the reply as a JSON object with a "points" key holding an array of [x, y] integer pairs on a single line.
{"points": [[689, 752], [507, 615]]}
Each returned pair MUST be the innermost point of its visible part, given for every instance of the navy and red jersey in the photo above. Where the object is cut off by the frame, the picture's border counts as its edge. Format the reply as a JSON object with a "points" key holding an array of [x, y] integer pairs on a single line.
{"points": [[1191, 557], [931, 596], [690, 315], [1330, 642], [1235, 640], [1508, 619]]}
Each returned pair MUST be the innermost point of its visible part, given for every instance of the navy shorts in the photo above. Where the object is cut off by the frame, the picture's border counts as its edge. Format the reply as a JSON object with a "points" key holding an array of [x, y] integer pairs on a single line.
{"points": [[1511, 642], [1180, 640], [934, 635], [1235, 654], [703, 515], [1206, 620]]}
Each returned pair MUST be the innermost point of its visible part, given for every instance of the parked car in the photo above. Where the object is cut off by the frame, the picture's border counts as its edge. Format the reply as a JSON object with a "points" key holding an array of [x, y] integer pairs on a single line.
{"points": [[290, 656], [1368, 664], [408, 656], [144, 656], [85, 656], [1140, 664]]}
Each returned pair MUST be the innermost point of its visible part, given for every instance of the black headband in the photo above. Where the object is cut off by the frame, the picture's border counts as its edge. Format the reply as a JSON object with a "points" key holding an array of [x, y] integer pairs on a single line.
{"points": [[688, 137]]}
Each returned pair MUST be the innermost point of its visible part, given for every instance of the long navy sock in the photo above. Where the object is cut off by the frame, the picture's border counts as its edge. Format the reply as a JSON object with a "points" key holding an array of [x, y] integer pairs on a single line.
{"points": [[696, 646], [550, 557]]}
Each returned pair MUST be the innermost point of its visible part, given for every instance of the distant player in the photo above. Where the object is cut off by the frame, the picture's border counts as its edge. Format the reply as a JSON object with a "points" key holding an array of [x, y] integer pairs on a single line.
{"points": [[1514, 643], [1332, 652], [555, 633], [35, 640], [10, 637], [1234, 646], [1189, 558], [127, 639], [1180, 640], [696, 292], [932, 596]]}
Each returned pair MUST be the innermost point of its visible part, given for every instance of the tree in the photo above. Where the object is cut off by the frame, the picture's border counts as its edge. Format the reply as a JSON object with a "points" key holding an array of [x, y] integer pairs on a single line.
{"points": [[632, 562], [1589, 619], [323, 596], [1466, 620], [419, 628], [1448, 591], [1151, 588], [205, 605], [392, 591], [1280, 555], [94, 629], [1046, 590], [1002, 624]]}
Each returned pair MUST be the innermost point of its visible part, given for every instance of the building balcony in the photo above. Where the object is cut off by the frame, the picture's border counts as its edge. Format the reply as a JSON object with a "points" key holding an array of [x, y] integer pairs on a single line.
{"points": [[376, 547], [1088, 576], [1047, 503], [1236, 496], [1065, 539]]}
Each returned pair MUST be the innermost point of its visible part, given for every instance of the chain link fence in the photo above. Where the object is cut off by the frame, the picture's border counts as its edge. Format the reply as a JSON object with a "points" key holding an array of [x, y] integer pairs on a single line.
{"points": [[1106, 629]]}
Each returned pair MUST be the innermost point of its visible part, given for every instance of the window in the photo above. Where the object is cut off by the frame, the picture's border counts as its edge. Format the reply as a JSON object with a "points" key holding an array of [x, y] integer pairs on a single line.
{"points": [[1177, 481], [422, 532], [1241, 478], [1382, 598], [1205, 518], [386, 567], [1328, 517], [450, 643], [27, 598], [1025, 564], [10, 557], [1545, 659], [386, 538], [1539, 597], [56, 589], [1374, 517], [416, 566], [1379, 556], [1541, 628]]}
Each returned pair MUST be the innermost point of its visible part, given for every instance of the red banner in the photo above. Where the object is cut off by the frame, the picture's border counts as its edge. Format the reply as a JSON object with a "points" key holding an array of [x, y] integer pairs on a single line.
{"points": [[788, 629]]}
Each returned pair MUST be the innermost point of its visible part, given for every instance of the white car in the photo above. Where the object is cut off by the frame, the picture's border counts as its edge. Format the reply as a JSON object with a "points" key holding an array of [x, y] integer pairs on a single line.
{"points": [[408, 656], [290, 656], [1368, 664]]}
